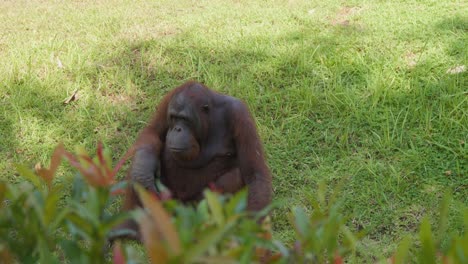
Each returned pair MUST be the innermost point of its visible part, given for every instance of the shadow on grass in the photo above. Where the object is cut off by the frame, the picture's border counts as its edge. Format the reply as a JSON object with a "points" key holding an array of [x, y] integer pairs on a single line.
{"points": [[457, 26], [317, 97]]}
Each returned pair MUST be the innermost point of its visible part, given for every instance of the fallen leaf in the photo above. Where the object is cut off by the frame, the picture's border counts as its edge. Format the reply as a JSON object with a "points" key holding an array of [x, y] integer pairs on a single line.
{"points": [[72, 98], [59, 64]]}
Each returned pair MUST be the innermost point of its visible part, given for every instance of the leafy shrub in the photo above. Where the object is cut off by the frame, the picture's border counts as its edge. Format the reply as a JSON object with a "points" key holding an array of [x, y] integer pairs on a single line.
{"points": [[41, 223]]}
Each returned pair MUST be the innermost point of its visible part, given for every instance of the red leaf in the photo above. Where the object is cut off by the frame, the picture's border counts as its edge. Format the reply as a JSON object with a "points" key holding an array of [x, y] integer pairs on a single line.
{"points": [[214, 188], [152, 240], [91, 173], [119, 257], [100, 153], [48, 174], [164, 225], [165, 195], [120, 191], [338, 259], [105, 168], [86, 159]]}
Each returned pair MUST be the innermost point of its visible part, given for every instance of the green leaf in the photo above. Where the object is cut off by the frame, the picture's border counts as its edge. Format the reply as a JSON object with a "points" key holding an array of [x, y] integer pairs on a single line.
{"points": [[465, 220], [218, 259], [121, 185], [238, 203], [281, 248], [122, 232], [79, 188], [45, 254], [202, 209], [402, 251], [108, 224], [133, 254], [35, 200], [266, 210], [321, 193], [248, 253], [460, 247], [29, 175], [207, 239], [80, 225], [330, 235], [92, 203], [73, 252], [443, 217], [107, 156], [427, 254], [3, 189], [215, 207], [58, 219], [81, 151], [301, 222], [50, 207], [350, 239], [83, 210]]}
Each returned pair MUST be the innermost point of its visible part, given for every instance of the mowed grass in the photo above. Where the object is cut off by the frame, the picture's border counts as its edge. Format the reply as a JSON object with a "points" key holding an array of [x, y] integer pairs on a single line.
{"points": [[361, 91]]}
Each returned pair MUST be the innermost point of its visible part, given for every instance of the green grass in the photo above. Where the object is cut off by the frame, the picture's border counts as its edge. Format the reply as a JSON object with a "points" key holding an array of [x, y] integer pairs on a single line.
{"points": [[339, 89]]}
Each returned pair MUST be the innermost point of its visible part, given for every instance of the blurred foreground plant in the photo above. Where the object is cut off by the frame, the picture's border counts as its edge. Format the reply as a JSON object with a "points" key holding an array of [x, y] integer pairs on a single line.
{"points": [[41, 223], [430, 249]]}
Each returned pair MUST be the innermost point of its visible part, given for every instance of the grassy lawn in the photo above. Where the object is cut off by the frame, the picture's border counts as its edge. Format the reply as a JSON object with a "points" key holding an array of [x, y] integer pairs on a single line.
{"points": [[373, 92]]}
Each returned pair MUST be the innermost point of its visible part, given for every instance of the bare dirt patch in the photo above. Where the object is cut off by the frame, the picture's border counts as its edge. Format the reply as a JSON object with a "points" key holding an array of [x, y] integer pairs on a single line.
{"points": [[411, 59], [344, 15], [120, 99]]}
